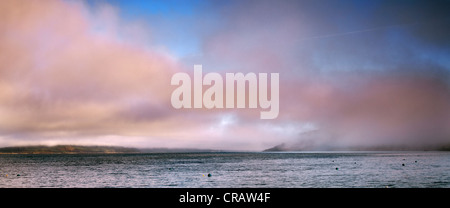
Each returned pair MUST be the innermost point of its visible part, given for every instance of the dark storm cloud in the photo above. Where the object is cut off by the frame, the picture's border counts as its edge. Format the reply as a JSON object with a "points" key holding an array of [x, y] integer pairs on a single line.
{"points": [[429, 20]]}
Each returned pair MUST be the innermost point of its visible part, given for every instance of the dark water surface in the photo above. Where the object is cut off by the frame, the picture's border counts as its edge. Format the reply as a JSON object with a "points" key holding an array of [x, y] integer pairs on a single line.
{"points": [[300, 169]]}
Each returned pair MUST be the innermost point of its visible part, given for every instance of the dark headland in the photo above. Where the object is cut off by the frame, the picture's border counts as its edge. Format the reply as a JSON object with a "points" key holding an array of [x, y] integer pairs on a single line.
{"points": [[66, 149], [78, 149], [287, 148]]}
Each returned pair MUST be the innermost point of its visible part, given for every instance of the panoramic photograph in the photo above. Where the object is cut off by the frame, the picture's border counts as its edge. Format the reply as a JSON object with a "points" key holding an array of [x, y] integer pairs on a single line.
{"points": [[224, 94]]}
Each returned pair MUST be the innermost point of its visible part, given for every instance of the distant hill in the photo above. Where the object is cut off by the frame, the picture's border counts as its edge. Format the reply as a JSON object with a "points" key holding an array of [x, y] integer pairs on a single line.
{"points": [[278, 148], [66, 149], [77, 149], [285, 147]]}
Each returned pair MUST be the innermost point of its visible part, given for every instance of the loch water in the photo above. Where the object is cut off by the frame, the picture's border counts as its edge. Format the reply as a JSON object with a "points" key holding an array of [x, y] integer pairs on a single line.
{"points": [[228, 170]]}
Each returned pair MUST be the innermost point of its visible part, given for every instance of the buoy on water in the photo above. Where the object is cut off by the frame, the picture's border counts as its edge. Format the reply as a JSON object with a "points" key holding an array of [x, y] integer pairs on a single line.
{"points": [[209, 175], [403, 164]]}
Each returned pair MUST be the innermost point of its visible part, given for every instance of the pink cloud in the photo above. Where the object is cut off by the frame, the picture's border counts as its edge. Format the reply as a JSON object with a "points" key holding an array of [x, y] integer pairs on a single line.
{"points": [[72, 75]]}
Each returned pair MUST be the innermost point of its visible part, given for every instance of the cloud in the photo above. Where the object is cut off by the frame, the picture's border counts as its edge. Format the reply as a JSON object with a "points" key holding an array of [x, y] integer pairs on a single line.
{"points": [[429, 20], [377, 82], [60, 75], [379, 109], [75, 73]]}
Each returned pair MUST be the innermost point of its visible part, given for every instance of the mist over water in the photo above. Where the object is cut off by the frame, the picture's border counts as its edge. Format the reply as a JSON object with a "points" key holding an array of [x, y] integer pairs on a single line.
{"points": [[288, 169]]}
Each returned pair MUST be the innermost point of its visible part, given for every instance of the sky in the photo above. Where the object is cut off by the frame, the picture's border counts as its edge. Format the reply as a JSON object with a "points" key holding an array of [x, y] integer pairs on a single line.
{"points": [[352, 73]]}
